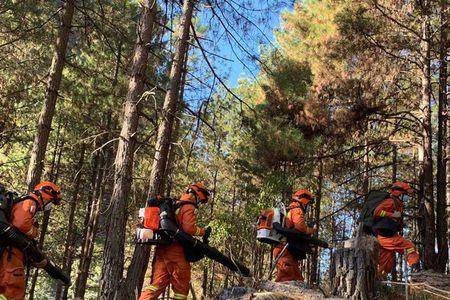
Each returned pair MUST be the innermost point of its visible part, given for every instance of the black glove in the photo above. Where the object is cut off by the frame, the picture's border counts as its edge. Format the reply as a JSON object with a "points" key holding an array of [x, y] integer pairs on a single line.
{"points": [[206, 235]]}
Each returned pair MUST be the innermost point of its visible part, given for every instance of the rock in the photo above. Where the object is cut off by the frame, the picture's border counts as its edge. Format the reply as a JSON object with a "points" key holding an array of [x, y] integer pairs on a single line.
{"points": [[235, 293], [292, 288], [268, 290]]}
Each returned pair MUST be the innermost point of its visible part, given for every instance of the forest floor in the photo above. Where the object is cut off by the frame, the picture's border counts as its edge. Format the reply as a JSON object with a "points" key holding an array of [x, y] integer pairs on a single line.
{"points": [[433, 284], [269, 290], [425, 283]]}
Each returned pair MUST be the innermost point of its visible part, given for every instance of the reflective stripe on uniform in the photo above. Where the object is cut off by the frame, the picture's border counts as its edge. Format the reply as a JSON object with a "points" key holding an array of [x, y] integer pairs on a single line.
{"points": [[30, 232], [198, 231], [153, 288], [179, 296], [177, 211], [410, 250], [382, 213], [288, 215], [2, 297]]}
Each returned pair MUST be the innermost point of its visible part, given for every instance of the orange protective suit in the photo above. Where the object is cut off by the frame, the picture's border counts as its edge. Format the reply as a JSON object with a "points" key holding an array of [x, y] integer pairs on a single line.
{"points": [[12, 263], [288, 266], [395, 243], [169, 264]]}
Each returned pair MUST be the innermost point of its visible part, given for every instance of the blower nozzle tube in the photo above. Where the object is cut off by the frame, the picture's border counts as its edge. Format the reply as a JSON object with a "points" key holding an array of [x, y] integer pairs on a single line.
{"points": [[169, 227], [212, 253], [11, 236]]}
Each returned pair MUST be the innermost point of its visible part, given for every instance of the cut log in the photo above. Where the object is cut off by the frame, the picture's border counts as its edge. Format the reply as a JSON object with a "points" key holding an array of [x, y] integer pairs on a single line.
{"points": [[353, 268]]}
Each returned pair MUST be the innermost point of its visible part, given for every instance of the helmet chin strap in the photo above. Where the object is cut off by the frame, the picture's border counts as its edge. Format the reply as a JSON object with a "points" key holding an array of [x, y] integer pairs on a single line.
{"points": [[195, 196], [404, 197], [45, 206], [194, 192], [305, 205], [48, 206], [41, 200]]}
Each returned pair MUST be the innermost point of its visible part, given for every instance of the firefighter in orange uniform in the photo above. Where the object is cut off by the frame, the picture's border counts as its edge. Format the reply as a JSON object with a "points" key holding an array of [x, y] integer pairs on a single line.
{"points": [[287, 266], [170, 264], [12, 264], [392, 208]]}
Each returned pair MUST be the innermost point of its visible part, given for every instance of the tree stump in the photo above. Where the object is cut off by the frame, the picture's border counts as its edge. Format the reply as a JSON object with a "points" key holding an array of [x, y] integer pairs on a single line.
{"points": [[354, 267]]}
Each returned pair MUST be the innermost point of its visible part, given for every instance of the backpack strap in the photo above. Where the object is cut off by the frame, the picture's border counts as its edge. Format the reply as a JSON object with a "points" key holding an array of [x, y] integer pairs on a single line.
{"points": [[177, 205], [299, 206], [180, 203], [396, 203], [27, 197]]}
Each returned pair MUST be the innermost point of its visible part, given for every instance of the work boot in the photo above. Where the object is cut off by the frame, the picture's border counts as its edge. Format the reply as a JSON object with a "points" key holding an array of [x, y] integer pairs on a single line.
{"points": [[416, 268]]}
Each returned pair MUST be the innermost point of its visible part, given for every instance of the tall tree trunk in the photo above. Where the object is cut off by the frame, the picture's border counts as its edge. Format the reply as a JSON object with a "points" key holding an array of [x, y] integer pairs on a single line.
{"points": [[366, 176], [205, 280], [448, 175], [426, 176], [171, 160], [213, 276], [394, 179], [51, 94], [89, 242], [211, 216], [90, 225], [139, 263], [53, 176], [394, 162], [69, 247], [441, 182], [112, 270], [447, 154], [314, 274], [448, 181], [168, 177]]}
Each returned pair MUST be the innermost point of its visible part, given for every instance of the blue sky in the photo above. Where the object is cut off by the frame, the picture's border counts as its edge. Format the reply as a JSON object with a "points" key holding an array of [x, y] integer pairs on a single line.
{"points": [[261, 36], [233, 41]]}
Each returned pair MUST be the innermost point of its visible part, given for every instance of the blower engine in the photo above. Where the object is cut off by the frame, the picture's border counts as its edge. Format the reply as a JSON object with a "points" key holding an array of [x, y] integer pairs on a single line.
{"points": [[149, 229], [271, 229], [265, 231]]}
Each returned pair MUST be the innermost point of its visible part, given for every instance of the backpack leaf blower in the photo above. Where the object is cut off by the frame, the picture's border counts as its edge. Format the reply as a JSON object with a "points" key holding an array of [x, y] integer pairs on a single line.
{"points": [[11, 236], [270, 229], [297, 236], [158, 227], [265, 232]]}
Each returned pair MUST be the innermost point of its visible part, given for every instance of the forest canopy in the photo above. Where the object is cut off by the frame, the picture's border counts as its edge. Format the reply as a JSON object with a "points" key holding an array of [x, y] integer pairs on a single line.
{"points": [[119, 101]]}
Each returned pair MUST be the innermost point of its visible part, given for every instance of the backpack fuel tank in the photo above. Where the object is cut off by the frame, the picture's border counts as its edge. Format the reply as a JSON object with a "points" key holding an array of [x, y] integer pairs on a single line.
{"points": [[265, 232], [157, 222]]}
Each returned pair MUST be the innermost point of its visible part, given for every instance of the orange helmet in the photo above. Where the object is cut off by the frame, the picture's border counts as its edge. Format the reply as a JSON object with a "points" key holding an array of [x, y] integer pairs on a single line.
{"points": [[400, 187], [303, 196], [49, 192], [200, 192]]}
